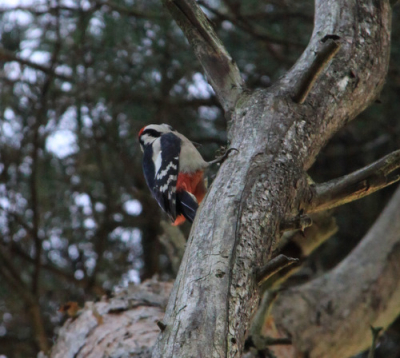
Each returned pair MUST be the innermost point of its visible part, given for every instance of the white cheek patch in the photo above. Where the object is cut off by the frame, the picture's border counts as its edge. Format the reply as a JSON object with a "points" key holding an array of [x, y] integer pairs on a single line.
{"points": [[147, 139]]}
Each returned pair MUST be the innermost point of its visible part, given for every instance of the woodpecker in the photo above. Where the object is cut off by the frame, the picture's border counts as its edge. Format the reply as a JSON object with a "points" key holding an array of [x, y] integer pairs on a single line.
{"points": [[174, 171]]}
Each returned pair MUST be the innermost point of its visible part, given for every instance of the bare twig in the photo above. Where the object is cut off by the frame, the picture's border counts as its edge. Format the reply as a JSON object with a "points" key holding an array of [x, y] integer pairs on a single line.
{"points": [[10, 274], [20, 221], [56, 9], [174, 243], [356, 185], [6, 55], [40, 115], [35, 211], [273, 266], [243, 24], [221, 70], [256, 338], [16, 250], [323, 227], [279, 16], [261, 343], [262, 312], [375, 334], [328, 50], [41, 10], [107, 225], [269, 341], [13, 273], [131, 12]]}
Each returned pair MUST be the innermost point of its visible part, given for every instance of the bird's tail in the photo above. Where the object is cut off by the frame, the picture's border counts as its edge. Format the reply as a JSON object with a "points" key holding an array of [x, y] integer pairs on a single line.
{"points": [[186, 205]]}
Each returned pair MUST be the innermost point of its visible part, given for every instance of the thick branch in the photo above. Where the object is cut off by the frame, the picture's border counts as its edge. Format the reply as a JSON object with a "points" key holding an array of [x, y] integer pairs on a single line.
{"points": [[337, 309], [221, 70], [356, 185], [216, 294]]}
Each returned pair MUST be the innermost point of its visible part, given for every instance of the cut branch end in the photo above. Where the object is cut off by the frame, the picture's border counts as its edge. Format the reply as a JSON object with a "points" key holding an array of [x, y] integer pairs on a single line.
{"points": [[161, 325]]}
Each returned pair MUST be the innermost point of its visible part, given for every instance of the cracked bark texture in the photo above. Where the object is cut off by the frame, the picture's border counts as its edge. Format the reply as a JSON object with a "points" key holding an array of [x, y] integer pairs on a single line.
{"points": [[215, 294]]}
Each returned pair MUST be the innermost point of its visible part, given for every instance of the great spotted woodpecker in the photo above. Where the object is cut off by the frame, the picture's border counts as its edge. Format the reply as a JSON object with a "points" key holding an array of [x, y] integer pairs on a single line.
{"points": [[174, 171]]}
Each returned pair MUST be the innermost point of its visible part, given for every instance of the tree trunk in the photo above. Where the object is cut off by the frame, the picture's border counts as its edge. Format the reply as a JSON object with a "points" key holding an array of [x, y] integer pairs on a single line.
{"points": [[216, 294], [328, 317]]}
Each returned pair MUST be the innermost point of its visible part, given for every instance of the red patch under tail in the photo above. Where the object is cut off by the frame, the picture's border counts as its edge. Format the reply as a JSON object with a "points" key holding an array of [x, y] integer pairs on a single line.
{"points": [[194, 184]]}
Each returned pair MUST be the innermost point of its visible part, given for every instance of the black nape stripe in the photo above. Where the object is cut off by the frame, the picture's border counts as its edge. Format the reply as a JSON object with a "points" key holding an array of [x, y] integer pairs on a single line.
{"points": [[152, 132]]}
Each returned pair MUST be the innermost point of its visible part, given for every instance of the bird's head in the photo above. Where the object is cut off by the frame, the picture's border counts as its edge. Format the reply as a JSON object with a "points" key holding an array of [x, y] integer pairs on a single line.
{"points": [[150, 133]]}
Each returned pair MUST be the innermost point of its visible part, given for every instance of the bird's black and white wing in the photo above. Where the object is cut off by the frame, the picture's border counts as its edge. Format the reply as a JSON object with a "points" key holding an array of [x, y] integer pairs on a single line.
{"points": [[186, 204], [166, 173]]}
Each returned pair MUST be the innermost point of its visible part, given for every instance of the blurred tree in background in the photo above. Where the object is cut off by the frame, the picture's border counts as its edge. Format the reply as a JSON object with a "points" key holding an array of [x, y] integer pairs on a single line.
{"points": [[78, 81]]}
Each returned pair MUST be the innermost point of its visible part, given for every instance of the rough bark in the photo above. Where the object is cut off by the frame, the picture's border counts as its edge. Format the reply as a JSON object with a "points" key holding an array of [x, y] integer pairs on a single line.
{"points": [[335, 310], [338, 309], [123, 326], [215, 294], [218, 65], [356, 185]]}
